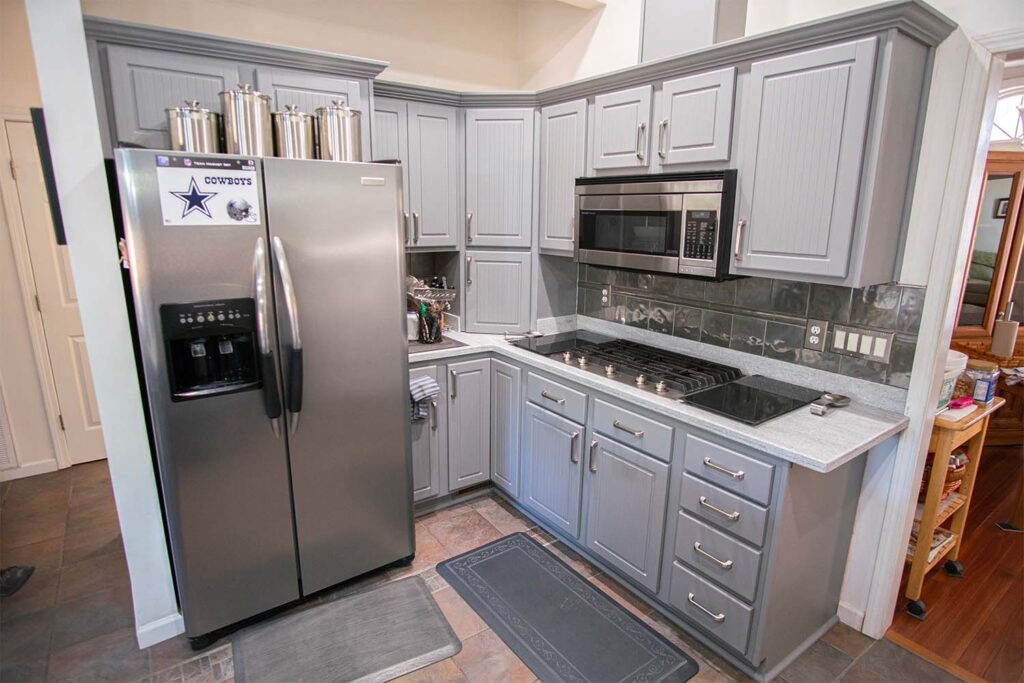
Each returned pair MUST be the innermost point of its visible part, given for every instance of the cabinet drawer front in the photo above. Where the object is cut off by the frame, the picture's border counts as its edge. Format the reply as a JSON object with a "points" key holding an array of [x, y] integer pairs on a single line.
{"points": [[713, 609], [633, 430], [729, 469], [557, 398], [726, 561], [723, 509]]}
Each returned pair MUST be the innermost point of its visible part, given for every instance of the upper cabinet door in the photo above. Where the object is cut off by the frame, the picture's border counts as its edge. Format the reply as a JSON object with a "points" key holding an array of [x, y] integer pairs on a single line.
{"points": [[433, 175], [306, 90], [390, 140], [563, 156], [499, 177], [622, 122], [802, 139], [497, 291], [696, 118], [144, 83]]}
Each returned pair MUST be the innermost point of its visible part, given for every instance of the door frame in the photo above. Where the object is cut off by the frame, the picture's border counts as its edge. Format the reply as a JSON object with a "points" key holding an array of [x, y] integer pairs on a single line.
{"points": [[26, 280]]}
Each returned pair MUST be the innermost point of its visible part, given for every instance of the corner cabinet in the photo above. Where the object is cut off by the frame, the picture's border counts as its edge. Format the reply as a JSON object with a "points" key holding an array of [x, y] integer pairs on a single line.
{"points": [[499, 177], [506, 425], [429, 441], [563, 158], [552, 469], [622, 127], [497, 291], [469, 420]]}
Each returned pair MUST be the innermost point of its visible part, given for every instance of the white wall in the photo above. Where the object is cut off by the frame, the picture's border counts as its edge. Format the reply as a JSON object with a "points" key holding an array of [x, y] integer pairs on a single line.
{"points": [[18, 87]]}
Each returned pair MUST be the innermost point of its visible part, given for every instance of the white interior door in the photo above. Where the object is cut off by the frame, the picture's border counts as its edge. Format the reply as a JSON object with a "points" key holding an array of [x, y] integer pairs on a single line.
{"points": [[58, 303]]}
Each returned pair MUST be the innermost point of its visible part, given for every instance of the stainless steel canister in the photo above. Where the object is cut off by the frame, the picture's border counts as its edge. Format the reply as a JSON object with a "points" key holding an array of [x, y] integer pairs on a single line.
{"points": [[294, 133], [193, 128], [246, 122], [338, 129]]}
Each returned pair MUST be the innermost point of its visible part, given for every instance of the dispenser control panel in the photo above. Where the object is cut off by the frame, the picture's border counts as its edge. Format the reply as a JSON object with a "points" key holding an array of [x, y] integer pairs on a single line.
{"points": [[206, 317]]}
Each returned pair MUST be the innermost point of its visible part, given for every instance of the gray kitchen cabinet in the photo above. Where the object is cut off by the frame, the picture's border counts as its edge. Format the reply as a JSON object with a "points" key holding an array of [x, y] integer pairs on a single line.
{"points": [[506, 425], [497, 291], [306, 90], [552, 469], [469, 419], [563, 158], [433, 175], [499, 177], [696, 118], [803, 135], [144, 83], [390, 141], [627, 492], [622, 122], [429, 442]]}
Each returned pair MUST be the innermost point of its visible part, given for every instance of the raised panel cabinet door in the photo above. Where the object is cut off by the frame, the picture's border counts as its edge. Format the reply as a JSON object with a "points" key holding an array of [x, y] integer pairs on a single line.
{"points": [[622, 123], [390, 141], [506, 425], [497, 291], [626, 499], [696, 118], [563, 158], [802, 137], [144, 83], [469, 420], [552, 468], [499, 177], [427, 436], [433, 175]]}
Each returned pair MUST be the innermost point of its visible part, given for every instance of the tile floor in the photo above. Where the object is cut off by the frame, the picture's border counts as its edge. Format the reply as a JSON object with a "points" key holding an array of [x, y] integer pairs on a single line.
{"points": [[73, 620]]}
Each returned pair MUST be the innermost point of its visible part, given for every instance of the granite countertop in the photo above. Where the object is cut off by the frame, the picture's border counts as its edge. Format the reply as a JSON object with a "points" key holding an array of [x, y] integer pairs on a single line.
{"points": [[818, 443]]}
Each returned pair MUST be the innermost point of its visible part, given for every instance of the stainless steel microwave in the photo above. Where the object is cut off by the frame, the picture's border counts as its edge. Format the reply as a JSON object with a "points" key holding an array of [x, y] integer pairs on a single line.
{"points": [[668, 223]]}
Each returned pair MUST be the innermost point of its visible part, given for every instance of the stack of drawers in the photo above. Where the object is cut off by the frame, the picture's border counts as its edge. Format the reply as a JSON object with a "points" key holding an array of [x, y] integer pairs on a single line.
{"points": [[719, 549]]}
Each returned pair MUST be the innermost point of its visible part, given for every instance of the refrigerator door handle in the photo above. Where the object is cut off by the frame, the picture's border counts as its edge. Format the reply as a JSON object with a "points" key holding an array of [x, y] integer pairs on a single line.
{"points": [[293, 393], [271, 394]]}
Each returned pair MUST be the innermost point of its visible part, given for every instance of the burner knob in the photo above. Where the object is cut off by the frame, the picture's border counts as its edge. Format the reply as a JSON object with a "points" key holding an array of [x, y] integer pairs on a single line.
{"points": [[661, 387], [582, 361], [641, 380], [567, 356], [610, 369]]}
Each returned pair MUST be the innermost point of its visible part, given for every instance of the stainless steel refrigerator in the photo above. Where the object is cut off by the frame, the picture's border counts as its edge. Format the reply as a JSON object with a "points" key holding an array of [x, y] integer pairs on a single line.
{"points": [[268, 296]]}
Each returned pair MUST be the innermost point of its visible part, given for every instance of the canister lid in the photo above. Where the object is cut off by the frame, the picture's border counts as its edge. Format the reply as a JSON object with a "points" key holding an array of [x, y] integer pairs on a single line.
{"points": [[977, 364], [339, 107], [190, 107], [245, 89], [291, 111]]}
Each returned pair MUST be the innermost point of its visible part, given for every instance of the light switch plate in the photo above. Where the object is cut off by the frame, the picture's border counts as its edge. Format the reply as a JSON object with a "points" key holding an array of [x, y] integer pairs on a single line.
{"points": [[860, 342], [814, 334]]}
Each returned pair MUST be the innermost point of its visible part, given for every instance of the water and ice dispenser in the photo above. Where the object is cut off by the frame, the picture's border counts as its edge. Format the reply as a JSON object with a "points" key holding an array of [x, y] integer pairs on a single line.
{"points": [[211, 347]]}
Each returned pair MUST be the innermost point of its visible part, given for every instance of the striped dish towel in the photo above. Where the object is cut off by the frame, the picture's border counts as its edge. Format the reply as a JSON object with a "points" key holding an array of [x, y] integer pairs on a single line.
{"points": [[422, 388]]}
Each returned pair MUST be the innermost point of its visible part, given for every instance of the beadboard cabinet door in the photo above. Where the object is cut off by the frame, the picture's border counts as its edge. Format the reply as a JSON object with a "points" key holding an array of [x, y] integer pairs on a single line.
{"points": [[469, 422], [802, 143], [390, 141], [622, 123], [499, 177], [563, 158], [696, 118], [506, 425], [429, 442], [433, 175], [552, 469], [497, 291], [144, 83]]}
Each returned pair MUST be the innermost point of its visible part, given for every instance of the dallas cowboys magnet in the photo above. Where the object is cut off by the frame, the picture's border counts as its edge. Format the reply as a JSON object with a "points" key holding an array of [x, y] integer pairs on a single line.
{"points": [[207, 191]]}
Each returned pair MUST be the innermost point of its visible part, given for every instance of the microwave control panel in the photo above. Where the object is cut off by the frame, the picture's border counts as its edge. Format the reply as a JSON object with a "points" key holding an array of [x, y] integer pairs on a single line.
{"points": [[699, 234]]}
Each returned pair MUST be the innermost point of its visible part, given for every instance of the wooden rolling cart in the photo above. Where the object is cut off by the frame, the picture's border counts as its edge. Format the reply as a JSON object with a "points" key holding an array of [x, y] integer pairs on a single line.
{"points": [[949, 514]]}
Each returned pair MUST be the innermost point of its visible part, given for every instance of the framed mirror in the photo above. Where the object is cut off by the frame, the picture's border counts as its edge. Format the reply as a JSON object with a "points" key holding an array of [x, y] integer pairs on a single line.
{"points": [[994, 276]]}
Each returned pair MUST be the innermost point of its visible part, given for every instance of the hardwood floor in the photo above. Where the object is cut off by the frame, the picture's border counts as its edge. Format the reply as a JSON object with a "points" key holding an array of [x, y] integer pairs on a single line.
{"points": [[977, 622]]}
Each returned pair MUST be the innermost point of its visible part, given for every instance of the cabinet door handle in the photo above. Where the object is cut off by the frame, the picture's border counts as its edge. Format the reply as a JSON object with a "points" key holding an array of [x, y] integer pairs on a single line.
{"points": [[731, 516], [641, 128], [742, 223], [662, 128], [415, 227], [719, 618], [469, 226], [559, 401], [408, 239], [735, 474], [593, 456], [638, 433], [454, 377], [433, 416], [469, 264], [724, 564], [573, 458]]}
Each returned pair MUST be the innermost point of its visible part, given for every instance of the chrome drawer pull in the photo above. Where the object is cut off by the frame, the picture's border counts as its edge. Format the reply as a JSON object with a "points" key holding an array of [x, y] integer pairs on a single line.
{"points": [[719, 618], [738, 475], [559, 401], [727, 564], [737, 255], [635, 432], [731, 516], [433, 415], [573, 458], [593, 462]]}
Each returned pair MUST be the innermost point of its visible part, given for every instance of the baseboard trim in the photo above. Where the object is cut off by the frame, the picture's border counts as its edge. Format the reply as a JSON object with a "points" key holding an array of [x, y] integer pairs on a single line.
{"points": [[29, 470], [851, 616], [160, 630]]}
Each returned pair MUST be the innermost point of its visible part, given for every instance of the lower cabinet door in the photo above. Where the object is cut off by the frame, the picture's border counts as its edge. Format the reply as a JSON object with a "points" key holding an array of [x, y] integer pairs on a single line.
{"points": [[552, 469], [626, 499], [506, 427], [428, 442], [469, 423]]}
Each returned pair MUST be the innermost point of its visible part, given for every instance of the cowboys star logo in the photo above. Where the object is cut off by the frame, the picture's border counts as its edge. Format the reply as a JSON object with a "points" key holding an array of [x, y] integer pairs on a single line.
{"points": [[195, 200]]}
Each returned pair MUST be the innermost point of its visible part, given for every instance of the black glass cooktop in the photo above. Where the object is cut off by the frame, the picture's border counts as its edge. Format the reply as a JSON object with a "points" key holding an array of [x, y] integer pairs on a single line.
{"points": [[753, 399]]}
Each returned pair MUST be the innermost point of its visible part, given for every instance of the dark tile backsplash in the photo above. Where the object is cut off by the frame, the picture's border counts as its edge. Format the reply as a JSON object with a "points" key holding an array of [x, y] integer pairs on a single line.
{"points": [[760, 316]]}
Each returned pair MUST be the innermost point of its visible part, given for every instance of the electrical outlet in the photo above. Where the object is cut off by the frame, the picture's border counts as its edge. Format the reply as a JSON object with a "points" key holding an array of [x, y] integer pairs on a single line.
{"points": [[861, 343], [814, 335]]}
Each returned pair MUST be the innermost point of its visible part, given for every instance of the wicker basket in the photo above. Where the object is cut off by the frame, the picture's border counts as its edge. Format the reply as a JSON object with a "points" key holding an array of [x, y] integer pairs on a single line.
{"points": [[954, 477]]}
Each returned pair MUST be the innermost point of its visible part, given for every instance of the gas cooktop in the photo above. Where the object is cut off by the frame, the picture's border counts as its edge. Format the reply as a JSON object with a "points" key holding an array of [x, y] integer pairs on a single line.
{"points": [[705, 384]]}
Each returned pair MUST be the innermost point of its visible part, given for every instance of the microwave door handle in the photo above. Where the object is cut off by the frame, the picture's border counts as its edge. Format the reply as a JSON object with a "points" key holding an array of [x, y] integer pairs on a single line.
{"points": [[268, 368], [294, 388]]}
